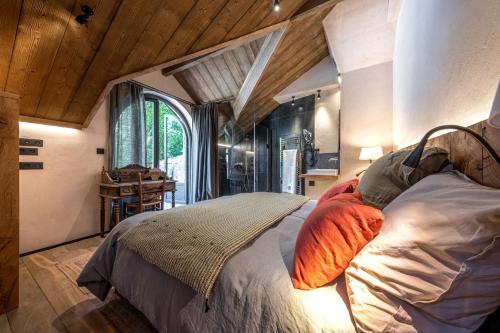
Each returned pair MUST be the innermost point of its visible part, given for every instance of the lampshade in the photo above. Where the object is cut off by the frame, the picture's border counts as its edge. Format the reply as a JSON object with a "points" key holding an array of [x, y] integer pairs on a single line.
{"points": [[494, 119], [370, 153]]}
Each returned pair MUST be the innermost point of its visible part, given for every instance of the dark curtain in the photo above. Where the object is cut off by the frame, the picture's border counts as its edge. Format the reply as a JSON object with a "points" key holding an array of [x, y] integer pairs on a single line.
{"points": [[205, 184], [127, 125]]}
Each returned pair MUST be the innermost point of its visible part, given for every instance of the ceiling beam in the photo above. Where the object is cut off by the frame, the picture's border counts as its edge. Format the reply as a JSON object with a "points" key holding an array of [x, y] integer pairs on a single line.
{"points": [[268, 48]]}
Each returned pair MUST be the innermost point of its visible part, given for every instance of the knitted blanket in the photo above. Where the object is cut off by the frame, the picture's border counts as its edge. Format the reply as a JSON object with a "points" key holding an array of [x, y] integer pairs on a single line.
{"points": [[192, 243]]}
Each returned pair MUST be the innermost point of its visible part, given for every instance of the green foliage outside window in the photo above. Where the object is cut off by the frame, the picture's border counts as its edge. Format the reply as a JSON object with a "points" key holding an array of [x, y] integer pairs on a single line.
{"points": [[175, 133]]}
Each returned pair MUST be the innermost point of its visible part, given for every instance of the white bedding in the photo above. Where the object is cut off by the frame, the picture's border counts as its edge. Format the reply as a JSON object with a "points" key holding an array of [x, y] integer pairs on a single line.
{"points": [[253, 293]]}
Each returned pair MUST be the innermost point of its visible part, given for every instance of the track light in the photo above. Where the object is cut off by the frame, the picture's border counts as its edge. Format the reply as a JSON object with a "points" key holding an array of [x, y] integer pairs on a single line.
{"points": [[87, 13], [293, 100], [319, 95], [276, 5]]}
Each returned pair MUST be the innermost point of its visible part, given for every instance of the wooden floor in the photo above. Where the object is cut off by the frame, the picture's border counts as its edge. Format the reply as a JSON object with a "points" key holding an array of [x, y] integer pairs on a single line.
{"points": [[49, 302]]}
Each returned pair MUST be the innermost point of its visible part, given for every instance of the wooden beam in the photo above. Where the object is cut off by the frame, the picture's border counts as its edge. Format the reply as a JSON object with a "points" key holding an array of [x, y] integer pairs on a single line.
{"points": [[9, 202], [50, 122], [270, 44]]}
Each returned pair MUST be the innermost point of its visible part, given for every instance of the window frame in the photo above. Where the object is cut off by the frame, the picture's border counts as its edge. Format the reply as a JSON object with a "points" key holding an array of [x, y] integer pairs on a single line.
{"points": [[156, 99]]}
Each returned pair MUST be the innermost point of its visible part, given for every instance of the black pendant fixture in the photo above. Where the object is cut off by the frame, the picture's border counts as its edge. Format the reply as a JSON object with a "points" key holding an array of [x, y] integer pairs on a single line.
{"points": [[83, 18], [293, 100], [318, 97]]}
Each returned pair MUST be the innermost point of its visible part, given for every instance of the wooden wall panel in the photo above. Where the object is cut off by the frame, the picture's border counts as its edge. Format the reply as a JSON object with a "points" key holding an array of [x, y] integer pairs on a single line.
{"points": [[9, 202], [491, 170], [468, 155]]}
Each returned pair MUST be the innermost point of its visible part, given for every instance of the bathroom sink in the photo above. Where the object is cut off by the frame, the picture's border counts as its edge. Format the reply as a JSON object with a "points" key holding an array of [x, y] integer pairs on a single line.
{"points": [[323, 172]]}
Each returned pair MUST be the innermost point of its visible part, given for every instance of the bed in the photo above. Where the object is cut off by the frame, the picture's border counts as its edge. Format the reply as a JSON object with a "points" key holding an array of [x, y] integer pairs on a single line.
{"points": [[253, 292]]}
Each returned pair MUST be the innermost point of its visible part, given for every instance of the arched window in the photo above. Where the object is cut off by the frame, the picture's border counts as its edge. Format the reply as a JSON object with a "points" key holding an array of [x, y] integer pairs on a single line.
{"points": [[168, 142]]}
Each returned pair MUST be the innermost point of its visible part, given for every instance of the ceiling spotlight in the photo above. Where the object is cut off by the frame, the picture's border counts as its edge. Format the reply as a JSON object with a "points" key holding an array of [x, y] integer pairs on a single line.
{"points": [[293, 100], [276, 5], [84, 17], [319, 94]]}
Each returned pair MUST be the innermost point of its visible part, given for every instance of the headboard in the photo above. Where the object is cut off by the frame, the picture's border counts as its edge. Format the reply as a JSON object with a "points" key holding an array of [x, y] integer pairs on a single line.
{"points": [[468, 156]]}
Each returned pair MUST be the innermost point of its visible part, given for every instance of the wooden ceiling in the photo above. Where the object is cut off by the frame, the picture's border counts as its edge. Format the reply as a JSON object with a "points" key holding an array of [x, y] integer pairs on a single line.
{"points": [[219, 77], [62, 69], [300, 47]]}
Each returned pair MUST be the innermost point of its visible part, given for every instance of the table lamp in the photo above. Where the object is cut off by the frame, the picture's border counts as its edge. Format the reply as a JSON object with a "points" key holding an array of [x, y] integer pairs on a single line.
{"points": [[370, 153]]}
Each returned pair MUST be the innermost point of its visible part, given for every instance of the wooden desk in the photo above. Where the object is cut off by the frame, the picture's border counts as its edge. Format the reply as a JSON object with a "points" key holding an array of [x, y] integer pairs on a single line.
{"points": [[118, 191]]}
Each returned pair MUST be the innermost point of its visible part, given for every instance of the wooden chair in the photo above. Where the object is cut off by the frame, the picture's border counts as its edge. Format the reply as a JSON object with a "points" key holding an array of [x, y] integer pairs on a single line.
{"points": [[148, 199]]}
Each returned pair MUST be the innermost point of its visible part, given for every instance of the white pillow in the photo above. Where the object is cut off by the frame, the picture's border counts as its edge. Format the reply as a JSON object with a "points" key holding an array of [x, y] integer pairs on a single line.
{"points": [[435, 266]]}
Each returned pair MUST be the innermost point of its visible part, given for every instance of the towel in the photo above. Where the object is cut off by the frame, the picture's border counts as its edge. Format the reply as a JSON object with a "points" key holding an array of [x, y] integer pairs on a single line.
{"points": [[289, 171]]}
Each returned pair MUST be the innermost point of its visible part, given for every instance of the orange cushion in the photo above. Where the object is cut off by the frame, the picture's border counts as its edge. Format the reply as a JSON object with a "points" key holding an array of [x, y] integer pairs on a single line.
{"points": [[333, 233], [346, 187]]}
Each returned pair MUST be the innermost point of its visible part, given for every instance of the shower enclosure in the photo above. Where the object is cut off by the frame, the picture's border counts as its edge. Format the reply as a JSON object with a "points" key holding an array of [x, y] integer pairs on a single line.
{"points": [[251, 159]]}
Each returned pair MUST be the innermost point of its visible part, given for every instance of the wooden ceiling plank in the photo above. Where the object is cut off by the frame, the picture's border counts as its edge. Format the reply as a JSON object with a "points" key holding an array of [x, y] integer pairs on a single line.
{"points": [[258, 68], [157, 34], [209, 80], [41, 27], [205, 82], [227, 76], [10, 12], [121, 38], [234, 68], [192, 27], [249, 51], [222, 24], [287, 9], [244, 61], [75, 53], [249, 22], [218, 78]]}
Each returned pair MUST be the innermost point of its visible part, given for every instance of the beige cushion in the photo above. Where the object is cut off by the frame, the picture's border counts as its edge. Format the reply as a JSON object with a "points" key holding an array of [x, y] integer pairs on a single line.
{"points": [[435, 265], [387, 177]]}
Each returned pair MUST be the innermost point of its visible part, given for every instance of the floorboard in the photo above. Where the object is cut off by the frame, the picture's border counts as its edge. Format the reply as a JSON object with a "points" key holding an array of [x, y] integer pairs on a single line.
{"points": [[50, 302], [34, 313], [4, 324]]}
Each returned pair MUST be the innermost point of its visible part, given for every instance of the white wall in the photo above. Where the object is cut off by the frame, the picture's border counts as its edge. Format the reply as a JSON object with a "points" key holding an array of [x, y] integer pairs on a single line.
{"points": [[366, 115], [166, 84], [60, 202], [326, 121], [360, 33], [446, 65], [322, 76]]}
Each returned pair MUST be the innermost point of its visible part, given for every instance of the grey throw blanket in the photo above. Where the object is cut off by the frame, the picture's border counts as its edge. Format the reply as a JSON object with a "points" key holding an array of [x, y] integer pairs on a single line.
{"points": [[192, 243]]}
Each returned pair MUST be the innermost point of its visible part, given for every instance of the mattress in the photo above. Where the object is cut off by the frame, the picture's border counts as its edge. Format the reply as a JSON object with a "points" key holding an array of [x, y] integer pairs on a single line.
{"points": [[253, 292]]}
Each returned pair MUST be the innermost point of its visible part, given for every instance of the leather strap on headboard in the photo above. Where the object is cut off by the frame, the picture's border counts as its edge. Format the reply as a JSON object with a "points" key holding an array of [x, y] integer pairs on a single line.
{"points": [[468, 156]]}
